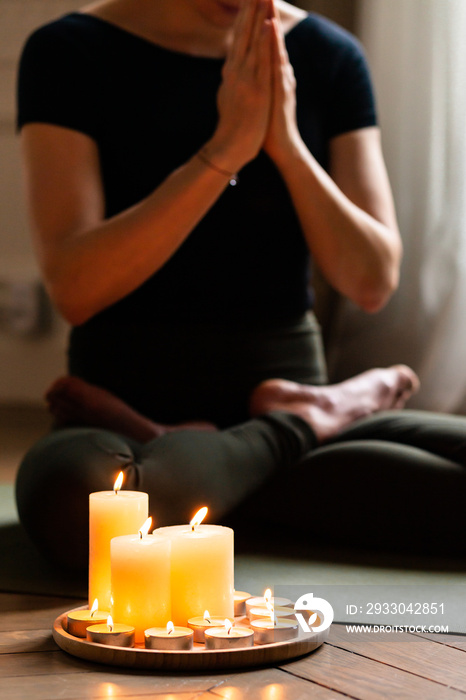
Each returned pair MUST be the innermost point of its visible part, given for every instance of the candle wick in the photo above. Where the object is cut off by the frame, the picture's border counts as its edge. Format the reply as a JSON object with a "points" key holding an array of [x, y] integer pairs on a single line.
{"points": [[192, 528], [140, 535], [170, 631]]}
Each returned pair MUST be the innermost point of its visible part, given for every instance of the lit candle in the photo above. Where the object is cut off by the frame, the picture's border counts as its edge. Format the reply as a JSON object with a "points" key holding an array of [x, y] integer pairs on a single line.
{"points": [[111, 513], [229, 637], [201, 569], [240, 598], [201, 624], [77, 621], [141, 580], [278, 611], [116, 635], [267, 631], [169, 638], [261, 601]]}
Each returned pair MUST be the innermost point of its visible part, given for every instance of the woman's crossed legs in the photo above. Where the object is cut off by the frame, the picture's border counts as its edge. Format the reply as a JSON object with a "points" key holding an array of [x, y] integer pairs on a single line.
{"points": [[378, 477]]}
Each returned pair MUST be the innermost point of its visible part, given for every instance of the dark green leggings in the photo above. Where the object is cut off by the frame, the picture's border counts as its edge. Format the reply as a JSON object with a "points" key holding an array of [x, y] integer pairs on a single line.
{"points": [[395, 481]]}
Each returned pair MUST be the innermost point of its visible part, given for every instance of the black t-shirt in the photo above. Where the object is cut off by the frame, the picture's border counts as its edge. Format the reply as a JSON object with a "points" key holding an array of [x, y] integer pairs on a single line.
{"points": [[150, 109]]}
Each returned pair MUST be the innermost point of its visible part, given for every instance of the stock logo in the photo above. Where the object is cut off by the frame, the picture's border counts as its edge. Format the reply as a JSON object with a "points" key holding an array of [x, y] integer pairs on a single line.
{"points": [[308, 602]]}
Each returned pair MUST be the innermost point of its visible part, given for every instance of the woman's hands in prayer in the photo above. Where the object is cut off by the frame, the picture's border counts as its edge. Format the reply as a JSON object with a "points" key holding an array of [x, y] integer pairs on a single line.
{"points": [[282, 133], [245, 94], [256, 100]]}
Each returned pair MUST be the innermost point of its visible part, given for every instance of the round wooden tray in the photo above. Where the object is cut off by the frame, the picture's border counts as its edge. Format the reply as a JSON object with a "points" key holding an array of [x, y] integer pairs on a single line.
{"points": [[197, 659]]}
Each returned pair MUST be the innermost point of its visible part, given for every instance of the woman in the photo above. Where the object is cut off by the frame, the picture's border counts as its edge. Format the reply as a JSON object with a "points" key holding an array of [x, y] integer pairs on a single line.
{"points": [[189, 296]]}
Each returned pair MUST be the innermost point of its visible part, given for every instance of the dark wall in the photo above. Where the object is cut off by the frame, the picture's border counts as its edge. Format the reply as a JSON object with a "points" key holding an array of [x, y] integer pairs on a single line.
{"points": [[341, 11]]}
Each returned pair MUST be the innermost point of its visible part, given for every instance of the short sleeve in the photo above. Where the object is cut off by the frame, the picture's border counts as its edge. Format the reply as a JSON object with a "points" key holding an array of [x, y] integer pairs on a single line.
{"points": [[352, 101], [55, 81]]}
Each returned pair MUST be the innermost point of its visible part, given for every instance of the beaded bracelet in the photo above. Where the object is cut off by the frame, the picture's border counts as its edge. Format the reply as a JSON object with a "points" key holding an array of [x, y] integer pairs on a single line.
{"points": [[231, 176]]}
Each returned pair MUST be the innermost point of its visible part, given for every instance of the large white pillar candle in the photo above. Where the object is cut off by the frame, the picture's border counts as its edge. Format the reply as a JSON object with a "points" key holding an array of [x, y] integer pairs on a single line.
{"points": [[201, 570], [141, 581], [111, 513]]}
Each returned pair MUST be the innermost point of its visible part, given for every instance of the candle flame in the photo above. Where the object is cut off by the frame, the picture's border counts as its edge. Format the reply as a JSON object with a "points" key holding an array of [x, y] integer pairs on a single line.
{"points": [[110, 623], [170, 627], [269, 607], [145, 528], [207, 616], [118, 483], [199, 517], [228, 626], [267, 595], [95, 607]]}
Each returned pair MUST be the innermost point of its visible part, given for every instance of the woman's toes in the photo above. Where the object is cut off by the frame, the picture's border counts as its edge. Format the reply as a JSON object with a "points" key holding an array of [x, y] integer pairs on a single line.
{"points": [[260, 397], [411, 381]]}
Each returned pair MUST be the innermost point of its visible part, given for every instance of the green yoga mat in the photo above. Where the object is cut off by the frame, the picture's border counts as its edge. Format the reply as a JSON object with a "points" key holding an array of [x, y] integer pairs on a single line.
{"points": [[275, 559]]}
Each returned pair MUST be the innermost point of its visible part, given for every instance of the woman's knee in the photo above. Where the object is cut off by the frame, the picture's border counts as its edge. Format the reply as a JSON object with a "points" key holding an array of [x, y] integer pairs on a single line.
{"points": [[53, 485]]}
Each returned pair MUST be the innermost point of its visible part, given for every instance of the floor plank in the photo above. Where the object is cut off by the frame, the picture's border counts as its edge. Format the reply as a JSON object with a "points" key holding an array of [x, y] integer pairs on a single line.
{"points": [[457, 641], [270, 684], [106, 687], [98, 681], [28, 612], [41, 664], [408, 652], [349, 673], [26, 641]]}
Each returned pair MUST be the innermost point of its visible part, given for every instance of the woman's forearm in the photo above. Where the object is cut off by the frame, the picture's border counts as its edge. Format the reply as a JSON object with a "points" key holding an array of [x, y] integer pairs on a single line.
{"points": [[358, 254], [88, 268]]}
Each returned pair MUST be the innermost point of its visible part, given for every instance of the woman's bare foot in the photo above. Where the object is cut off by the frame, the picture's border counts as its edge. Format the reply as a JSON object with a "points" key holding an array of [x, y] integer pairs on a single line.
{"points": [[72, 401], [328, 409]]}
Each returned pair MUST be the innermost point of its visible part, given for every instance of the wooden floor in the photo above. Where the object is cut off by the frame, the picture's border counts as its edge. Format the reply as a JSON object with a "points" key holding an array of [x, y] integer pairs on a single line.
{"points": [[32, 667]]}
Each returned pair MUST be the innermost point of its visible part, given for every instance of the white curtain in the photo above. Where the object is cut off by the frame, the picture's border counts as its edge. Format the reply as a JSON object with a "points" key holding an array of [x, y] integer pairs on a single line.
{"points": [[417, 53]]}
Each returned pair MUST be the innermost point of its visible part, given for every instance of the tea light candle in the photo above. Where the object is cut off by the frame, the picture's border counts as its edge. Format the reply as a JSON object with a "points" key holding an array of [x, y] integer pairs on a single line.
{"points": [[201, 569], [111, 514], [229, 637], [240, 598], [77, 621], [200, 624], [267, 631], [169, 638], [116, 635], [278, 611], [141, 580], [261, 602]]}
